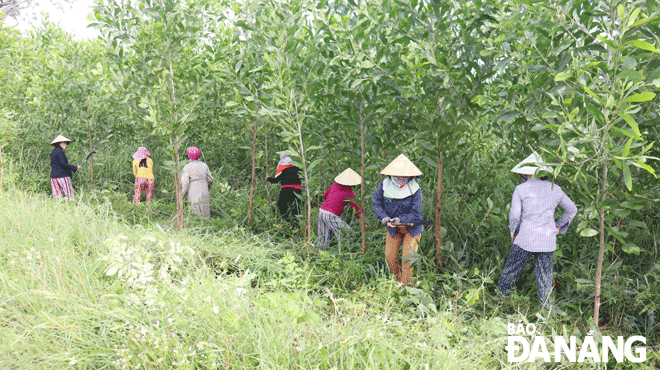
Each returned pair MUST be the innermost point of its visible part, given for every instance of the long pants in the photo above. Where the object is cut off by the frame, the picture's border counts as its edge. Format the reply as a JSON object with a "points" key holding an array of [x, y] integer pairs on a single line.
{"points": [[515, 264], [143, 184], [392, 244], [289, 205], [62, 186], [330, 224]]}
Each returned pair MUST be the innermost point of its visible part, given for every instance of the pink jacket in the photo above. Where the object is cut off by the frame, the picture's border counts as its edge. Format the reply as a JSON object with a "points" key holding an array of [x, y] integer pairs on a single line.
{"points": [[335, 199]]}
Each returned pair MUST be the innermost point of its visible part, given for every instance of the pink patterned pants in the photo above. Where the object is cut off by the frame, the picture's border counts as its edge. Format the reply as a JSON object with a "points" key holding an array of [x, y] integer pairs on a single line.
{"points": [[62, 186], [143, 184]]}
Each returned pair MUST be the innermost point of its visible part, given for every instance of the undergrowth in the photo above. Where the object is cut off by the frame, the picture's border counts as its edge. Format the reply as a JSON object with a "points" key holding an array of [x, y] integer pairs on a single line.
{"points": [[91, 285]]}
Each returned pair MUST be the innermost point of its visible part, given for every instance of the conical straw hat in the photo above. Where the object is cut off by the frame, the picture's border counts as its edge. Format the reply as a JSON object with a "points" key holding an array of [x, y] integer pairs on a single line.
{"points": [[401, 166], [348, 178], [529, 165], [60, 139]]}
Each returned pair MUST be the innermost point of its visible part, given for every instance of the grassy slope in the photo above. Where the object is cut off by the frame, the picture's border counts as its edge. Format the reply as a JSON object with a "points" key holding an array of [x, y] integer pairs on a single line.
{"points": [[79, 289]]}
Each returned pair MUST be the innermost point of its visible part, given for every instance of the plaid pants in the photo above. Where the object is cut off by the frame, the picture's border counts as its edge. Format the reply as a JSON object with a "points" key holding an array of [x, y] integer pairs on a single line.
{"points": [[330, 223], [143, 184], [62, 186], [515, 264]]}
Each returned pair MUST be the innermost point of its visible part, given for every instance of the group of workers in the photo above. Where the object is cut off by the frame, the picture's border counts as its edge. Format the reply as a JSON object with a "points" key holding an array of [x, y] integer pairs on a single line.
{"points": [[196, 178], [396, 202]]}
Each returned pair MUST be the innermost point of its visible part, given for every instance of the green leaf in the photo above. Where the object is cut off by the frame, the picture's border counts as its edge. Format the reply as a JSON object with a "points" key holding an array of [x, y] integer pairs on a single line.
{"points": [[631, 122], [588, 232], [621, 11], [562, 76], [588, 91], [632, 205], [626, 149], [472, 296], [626, 174], [644, 166], [643, 45], [631, 248], [508, 115], [641, 97], [637, 224], [367, 64], [633, 17]]}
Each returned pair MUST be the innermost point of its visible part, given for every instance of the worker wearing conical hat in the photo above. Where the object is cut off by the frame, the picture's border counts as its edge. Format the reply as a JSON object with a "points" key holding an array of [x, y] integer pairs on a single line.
{"points": [[396, 201], [336, 197], [533, 227], [60, 169]]}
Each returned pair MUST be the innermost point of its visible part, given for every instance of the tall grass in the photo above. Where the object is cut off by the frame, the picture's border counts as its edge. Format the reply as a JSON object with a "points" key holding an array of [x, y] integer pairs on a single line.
{"points": [[79, 288]]}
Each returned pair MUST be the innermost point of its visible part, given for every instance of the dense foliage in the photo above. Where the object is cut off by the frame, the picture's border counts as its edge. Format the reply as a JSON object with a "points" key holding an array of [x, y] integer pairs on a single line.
{"points": [[464, 89]]}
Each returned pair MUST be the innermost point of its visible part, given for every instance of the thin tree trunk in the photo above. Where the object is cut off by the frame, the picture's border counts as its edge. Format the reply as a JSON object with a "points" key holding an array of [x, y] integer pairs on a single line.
{"points": [[2, 169], [465, 175], [254, 169], [308, 205], [601, 250], [177, 162], [266, 156], [363, 226], [91, 159], [438, 208], [177, 184]]}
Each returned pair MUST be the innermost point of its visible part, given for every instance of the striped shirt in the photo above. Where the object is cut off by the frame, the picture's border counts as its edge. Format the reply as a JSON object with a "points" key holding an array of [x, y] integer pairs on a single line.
{"points": [[532, 215]]}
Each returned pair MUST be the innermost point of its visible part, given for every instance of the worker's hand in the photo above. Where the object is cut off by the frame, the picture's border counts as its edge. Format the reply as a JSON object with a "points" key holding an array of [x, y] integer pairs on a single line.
{"points": [[79, 167], [393, 221], [385, 220], [558, 230]]}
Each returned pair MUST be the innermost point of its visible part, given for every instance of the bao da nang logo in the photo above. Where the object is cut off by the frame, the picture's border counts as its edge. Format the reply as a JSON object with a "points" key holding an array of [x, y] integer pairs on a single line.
{"points": [[532, 347]]}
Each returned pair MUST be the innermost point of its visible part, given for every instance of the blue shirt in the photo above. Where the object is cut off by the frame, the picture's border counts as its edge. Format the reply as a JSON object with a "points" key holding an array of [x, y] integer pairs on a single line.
{"points": [[408, 210], [532, 215], [59, 166]]}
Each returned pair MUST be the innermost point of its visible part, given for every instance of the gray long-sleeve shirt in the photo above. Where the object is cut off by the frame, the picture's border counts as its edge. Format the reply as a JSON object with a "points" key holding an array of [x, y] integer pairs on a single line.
{"points": [[532, 215]]}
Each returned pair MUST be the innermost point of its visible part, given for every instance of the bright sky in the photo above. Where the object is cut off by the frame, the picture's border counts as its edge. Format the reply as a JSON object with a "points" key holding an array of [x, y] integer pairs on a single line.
{"points": [[72, 18]]}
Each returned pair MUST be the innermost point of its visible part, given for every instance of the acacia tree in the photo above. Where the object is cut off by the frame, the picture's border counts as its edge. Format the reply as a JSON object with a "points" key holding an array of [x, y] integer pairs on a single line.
{"points": [[167, 53], [246, 76], [287, 45], [599, 64], [439, 71]]}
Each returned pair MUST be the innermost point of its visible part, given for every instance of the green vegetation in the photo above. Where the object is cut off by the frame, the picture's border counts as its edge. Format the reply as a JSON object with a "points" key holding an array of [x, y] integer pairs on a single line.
{"points": [[464, 89], [84, 290]]}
